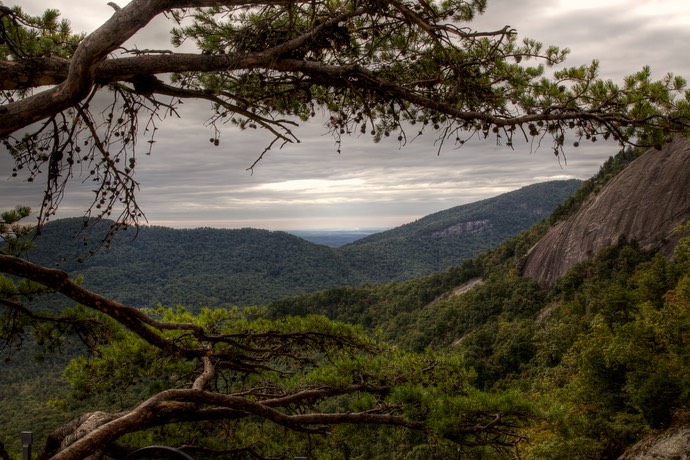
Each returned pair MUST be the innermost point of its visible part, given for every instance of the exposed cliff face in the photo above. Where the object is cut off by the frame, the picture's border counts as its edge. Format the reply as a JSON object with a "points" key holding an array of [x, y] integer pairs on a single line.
{"points": [[644, 203], [673, 444], [475, 226]]}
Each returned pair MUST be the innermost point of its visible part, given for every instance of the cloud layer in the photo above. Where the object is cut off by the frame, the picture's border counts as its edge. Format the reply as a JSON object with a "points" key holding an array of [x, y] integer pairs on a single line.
{"points": [[188, 182]]}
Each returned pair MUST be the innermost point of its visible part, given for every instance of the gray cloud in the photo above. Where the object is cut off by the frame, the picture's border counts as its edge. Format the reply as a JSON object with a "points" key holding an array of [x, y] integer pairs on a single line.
{"points": [[188, 182]]}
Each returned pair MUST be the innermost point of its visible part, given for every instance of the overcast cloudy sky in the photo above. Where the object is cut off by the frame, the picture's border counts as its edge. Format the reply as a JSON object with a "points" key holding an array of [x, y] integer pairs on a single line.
{"points": [[187, 182]]}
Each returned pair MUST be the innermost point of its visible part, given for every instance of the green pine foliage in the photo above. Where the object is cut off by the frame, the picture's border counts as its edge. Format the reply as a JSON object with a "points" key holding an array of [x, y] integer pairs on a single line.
{"points": [[25, 36]]}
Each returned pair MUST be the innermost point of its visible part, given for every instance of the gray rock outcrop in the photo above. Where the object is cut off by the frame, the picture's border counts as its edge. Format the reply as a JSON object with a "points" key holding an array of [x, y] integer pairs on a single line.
{"points": [[645, 203], [673, 444]]}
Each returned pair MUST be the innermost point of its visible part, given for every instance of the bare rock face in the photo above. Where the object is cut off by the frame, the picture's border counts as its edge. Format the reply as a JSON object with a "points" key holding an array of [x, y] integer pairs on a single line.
{"points": [[673, 444], [645, 202]]}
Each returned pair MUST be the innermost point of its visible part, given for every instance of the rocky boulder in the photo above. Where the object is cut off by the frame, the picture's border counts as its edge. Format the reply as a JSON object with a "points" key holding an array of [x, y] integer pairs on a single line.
{"points": [[644, 203]]}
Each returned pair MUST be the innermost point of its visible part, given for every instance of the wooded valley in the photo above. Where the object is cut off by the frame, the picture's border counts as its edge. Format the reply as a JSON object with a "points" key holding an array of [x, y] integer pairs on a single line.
{"points": [[582, 370], [216, 267]]}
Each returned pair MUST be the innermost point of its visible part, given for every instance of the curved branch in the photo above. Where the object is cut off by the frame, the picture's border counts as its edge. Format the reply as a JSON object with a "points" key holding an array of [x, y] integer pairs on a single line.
{"points": [[208, 374], [131, 318], [234, 355], [82, 69], [184, 405], [358, 76], [192, 405]]}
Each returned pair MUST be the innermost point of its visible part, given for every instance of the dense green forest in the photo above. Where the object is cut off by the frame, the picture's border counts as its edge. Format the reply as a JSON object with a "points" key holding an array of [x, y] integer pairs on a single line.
{"points": [[443, 240], [592, 364], [605, 351], [218, 267], [426, 342]]}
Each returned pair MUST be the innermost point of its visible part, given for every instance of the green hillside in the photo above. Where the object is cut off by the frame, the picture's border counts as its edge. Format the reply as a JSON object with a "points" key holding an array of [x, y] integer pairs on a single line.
{"points": [[606, 352], [599, 361], [195, 267], [215, 267], [445, 239]]}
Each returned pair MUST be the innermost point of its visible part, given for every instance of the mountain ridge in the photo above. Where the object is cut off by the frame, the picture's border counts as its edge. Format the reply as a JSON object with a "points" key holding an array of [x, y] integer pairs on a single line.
{"points": [[442, 239], [221, 267]]}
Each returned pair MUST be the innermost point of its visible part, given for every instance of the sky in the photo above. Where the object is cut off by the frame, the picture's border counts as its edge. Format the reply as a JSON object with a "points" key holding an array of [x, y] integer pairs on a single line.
{"points": [[187, 182]]}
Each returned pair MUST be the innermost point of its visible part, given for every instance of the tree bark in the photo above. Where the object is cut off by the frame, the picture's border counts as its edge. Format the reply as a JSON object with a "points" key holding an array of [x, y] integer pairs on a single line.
{"points": [[82, 67], [96, 431]]}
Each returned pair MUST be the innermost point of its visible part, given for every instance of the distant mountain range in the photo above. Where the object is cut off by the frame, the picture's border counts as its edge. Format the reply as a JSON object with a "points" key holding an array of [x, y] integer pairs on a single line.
{"points": [[332, 238], [215, 267]]}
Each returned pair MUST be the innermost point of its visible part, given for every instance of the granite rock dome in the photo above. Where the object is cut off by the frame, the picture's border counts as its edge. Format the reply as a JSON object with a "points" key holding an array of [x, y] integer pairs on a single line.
{"points": [[644, 203]]}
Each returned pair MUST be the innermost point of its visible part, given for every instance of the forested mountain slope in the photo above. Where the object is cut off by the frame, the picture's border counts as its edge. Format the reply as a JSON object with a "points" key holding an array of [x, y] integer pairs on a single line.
{"points": [[605, 349], [214, 267], [603, 354], [444, 239], [200, 267]]}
